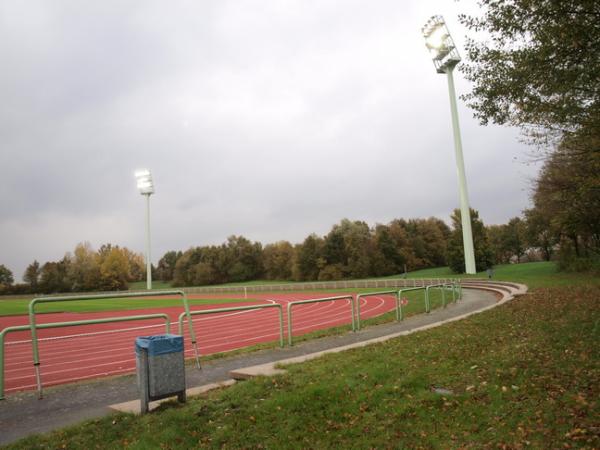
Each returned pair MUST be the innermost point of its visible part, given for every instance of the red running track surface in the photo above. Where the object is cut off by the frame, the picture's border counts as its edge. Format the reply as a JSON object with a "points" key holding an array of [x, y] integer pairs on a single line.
{"points": [[91, 351]]}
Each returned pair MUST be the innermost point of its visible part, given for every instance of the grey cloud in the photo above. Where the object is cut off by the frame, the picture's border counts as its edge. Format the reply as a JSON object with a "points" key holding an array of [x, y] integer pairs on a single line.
{"points": [[268, 119]]}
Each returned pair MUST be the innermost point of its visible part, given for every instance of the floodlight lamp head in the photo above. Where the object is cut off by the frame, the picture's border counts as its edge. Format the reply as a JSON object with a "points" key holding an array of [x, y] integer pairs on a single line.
{"points": [[144, 181], [440, 44]]}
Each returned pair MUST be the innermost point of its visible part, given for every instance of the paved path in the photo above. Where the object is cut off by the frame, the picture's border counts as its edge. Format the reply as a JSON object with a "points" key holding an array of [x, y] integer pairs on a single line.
{"points": [[23, 414]]}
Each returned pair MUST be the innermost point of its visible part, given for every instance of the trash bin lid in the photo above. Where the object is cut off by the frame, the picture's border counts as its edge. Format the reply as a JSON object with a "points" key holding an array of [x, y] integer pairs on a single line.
{"points": [[160, 344]]}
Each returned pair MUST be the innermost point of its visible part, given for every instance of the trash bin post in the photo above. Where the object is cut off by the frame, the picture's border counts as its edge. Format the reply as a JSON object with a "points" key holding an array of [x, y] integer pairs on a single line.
{"points": [[142, 378]]}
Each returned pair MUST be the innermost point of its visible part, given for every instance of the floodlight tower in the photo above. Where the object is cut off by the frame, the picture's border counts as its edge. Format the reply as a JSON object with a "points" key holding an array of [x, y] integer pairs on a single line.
{"points": [[445, 58], [146, 187]]}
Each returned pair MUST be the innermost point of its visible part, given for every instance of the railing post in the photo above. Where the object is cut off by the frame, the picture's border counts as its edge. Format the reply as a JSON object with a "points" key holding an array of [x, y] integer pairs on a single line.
{"points": [[358, 297], [191, 326], [34, 344], [279, 310], [289, 323], [2, 333]]}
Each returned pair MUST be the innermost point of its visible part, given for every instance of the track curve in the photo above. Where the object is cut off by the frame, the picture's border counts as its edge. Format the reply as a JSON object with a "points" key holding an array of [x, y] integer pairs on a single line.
{"points": [[91, 351]]}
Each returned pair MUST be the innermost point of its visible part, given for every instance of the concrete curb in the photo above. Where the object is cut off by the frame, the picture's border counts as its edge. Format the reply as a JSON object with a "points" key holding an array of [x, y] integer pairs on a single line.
{"points": [[134, 406]]}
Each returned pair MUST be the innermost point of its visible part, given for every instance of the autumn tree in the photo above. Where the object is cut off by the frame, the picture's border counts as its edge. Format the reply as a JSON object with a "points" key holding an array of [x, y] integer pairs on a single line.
{"points": [[32, 275], [404, 246], [278, 259], [334, 249], [427, 238], [347, 251], [496, 234], [537, 66], [53, 277], [114, 269], [6, 277], [456, 255], [183, 273], [137, 265], [84, 269], [359, 247], [540, 232], [537, 69], [309, 258], [388, 258], [514, 237], [166, 265], [246, 259], [236, 260], [567, 195]]}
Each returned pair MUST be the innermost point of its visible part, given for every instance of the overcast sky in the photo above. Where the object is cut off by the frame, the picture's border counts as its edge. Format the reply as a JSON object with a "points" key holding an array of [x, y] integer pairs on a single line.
{"points": [[271, 119]]}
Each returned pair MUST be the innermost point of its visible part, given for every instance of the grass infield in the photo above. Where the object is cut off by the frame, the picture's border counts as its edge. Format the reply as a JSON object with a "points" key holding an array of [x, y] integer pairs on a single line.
{"points": [[18, 307]]}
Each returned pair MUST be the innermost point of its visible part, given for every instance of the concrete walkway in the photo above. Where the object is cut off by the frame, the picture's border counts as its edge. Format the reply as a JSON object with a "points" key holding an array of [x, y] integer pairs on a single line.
{"points": [[23, 414]]}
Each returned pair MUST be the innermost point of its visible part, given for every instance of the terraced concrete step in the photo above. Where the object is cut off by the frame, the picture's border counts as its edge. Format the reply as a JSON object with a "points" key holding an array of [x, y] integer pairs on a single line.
{"points": [[512, 289]]}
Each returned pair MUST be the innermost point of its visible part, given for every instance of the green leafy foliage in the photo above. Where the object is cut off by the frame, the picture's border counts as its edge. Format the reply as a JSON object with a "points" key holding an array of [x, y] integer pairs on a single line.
{"points": [[6, 276], [278, 260], [456, 252], [537, 65], [166, 265], [32, 274]]}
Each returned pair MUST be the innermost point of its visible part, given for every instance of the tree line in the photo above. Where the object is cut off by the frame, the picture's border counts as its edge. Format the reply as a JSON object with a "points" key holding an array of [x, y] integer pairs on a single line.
{"points": [[109, 268], [350, 250], [353, 249]]}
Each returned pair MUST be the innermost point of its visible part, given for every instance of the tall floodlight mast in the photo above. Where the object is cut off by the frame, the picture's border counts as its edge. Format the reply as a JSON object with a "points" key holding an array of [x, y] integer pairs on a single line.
{"points": [[146, 188], [445, 58]]}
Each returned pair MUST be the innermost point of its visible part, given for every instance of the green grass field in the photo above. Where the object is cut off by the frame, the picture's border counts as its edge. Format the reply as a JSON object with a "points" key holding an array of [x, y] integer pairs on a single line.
{"points": [[526, 374], [534, 274], [17, 307], [156, 285]]}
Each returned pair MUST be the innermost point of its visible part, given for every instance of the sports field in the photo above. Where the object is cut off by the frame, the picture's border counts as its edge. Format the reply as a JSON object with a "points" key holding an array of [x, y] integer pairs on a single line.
{"points": [[83, 352]]}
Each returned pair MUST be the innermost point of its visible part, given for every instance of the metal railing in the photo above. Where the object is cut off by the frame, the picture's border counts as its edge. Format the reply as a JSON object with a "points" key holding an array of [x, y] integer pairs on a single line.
{"points": [[396, 283], [231, 309], [417, 284], [399, 315], [442, 287], [370, 294], [36, 301], [317, 300], [73, 323]]}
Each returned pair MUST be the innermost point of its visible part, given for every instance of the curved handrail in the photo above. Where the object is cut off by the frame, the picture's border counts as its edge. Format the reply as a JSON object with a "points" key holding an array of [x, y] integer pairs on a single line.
{"points": [[317, 300], [7, 330], [236, 308]]}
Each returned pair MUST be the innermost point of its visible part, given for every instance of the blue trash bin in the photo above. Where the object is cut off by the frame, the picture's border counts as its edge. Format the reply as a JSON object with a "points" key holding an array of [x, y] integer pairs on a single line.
{"points": [[160, 368]]}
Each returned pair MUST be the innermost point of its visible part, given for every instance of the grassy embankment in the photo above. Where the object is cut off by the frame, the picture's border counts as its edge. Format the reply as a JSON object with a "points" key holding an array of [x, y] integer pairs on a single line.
{"points": [[524, 374], [533, 274]]}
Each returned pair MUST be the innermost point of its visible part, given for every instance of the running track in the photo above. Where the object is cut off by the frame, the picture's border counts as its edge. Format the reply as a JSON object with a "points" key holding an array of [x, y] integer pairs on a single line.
{"points": [[91, 351]]}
